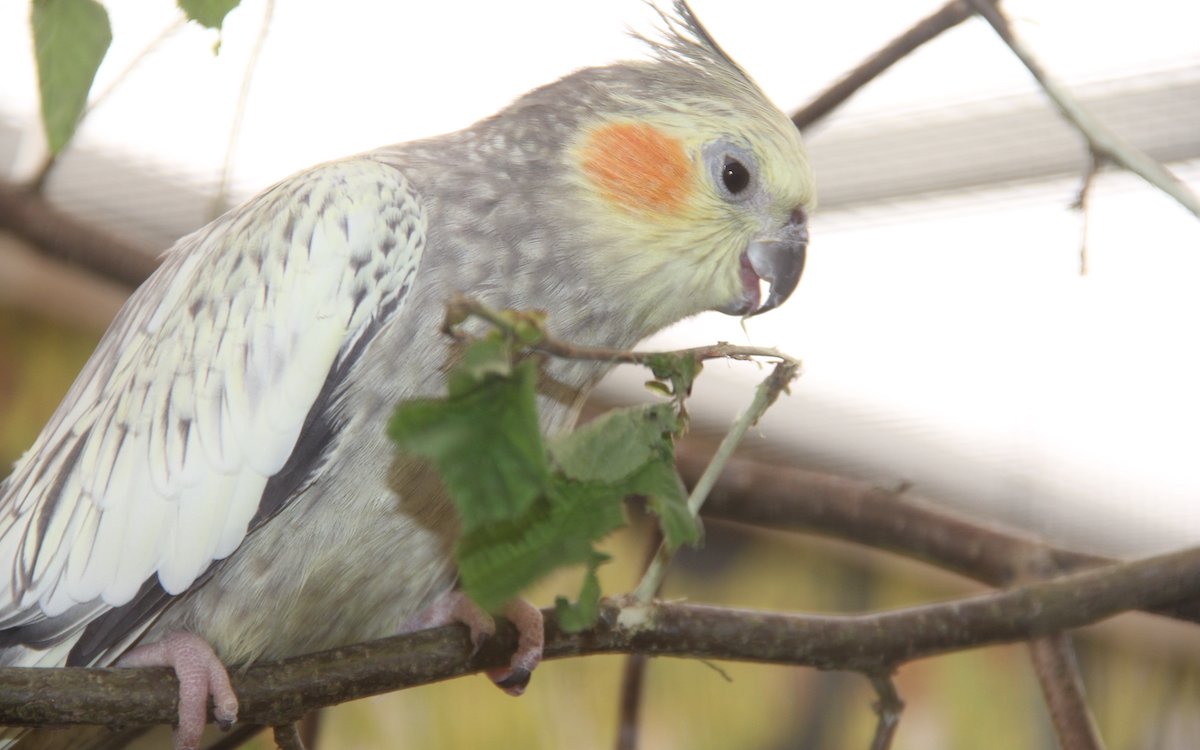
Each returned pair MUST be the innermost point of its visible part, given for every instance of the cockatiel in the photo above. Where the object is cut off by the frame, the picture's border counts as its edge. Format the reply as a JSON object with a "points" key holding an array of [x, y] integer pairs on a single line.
{"points": [[219, 474]]}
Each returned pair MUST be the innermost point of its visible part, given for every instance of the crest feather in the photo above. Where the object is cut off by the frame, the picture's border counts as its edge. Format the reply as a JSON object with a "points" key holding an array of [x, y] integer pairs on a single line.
{"points": [[684, 41]]}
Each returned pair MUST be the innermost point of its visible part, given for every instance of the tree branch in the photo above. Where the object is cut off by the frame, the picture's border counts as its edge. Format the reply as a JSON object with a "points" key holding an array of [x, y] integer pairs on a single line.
{"points": [[1058, 673], [1100, 139], [58, 235], [282, 692], [927, 29], [855, 511]]}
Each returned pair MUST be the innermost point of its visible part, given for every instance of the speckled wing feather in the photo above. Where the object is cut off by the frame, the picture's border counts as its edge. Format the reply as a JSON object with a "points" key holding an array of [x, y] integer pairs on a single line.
{"points": [[156, 461]]}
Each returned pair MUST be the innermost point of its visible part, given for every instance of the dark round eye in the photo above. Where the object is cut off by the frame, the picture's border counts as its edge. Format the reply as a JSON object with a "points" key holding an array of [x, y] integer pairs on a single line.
{"points": [[735, 175]]}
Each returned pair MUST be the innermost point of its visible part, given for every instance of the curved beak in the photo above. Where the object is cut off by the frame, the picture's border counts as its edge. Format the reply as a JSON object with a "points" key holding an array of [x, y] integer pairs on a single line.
{"points": [[778, 259]]}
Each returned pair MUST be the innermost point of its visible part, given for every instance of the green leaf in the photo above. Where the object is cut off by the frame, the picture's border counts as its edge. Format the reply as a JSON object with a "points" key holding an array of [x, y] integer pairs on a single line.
{"points": [[666, 496], [497, 561], [485, 442], [70, 38], [208, 13], [582, 613], [679, 370], [615, 444], [481, 360]]}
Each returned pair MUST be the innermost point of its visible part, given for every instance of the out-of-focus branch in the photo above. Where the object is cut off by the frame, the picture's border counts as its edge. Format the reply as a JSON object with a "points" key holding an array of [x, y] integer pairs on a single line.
{"points": [[782, 497], [874, 644], [239, 113], [947, 17], [56, 234], [1100, 139], [888, 708], [1062, 685]]}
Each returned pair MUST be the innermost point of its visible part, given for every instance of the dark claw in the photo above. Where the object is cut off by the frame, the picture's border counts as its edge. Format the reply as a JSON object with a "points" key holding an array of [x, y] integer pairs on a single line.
{"points": [[516, 681]]}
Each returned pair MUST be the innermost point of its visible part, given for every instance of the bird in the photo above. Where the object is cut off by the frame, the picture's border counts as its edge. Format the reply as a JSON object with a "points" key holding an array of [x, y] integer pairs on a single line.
{"points": [[217, 487]]}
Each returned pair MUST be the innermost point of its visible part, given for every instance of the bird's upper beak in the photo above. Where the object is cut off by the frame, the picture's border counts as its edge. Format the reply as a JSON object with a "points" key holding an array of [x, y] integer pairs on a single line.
{"points": [[776, 258]]}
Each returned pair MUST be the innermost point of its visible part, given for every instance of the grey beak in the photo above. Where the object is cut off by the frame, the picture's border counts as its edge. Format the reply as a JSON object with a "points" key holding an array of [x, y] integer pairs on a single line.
{"points": [[779, 260]]}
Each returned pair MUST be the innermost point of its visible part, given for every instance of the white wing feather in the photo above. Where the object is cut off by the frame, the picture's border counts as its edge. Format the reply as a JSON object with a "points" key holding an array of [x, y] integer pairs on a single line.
{"points": [[155, 462]]}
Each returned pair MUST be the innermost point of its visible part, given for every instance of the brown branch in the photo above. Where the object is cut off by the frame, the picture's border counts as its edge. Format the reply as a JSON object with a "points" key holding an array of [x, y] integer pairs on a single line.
{"points": [[279, 693], [947, 17], [287, 737], [1058, 673], [888, 708], [856, 511], [58, 235]]}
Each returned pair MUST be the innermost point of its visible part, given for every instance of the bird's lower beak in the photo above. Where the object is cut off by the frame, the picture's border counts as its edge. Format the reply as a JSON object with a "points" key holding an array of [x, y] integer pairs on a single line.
{"points": [[777, 259]]}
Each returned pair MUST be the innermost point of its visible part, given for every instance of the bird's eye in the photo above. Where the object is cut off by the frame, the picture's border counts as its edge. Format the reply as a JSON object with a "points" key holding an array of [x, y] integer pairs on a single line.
{"points": [[734, 175]]}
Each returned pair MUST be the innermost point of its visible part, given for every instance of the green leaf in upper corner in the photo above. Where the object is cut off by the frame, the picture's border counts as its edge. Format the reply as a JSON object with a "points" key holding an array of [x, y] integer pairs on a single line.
{"points": [[485, 442], [497, 561], [208, 13], [616, 444], [582, 613], [70, 39]]}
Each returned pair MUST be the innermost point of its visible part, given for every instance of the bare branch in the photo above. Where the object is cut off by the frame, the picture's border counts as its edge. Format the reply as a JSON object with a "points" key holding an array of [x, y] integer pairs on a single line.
{"points": [[782, 497], [633, 680], [764, 395], [287, 737], [888, 707], [1099, 137], [58, 235], [947, 17], [1058, 673], [282, 692]]}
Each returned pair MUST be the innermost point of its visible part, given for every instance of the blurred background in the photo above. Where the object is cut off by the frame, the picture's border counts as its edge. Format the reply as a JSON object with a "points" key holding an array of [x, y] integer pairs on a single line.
{"points": [[953, 335]]}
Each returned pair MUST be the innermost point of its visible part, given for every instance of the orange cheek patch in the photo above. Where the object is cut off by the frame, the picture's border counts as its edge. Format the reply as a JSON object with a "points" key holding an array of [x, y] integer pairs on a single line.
{"points": [[638, 167]]}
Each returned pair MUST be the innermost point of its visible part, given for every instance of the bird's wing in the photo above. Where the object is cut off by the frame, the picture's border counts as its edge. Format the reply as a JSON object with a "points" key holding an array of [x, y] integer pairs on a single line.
{"points": [[156, 460]]}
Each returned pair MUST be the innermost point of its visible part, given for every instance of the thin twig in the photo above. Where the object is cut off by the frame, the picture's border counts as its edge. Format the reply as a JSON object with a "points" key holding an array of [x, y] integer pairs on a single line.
{"points": [[239, 113], [1081, 204], [287, 737], [633, 677], [1062, 685], [38, 182], [764, 395], [1099, 137], [887, 708], [237, 737], [517, 322], [947, 17]]}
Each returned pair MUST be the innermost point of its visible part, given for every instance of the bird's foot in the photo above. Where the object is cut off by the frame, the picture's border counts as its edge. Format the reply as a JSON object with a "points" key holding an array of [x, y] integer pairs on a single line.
{"points": [[201, 674], [457, 607]]}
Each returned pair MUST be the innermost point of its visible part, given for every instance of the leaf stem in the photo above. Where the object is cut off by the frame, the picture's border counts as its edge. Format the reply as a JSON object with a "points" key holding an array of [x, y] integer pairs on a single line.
{"points": [[764, 395]]}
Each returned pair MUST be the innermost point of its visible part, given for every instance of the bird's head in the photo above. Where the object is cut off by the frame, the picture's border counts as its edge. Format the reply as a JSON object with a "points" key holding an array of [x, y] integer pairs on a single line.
{"points": [[694, 179]]}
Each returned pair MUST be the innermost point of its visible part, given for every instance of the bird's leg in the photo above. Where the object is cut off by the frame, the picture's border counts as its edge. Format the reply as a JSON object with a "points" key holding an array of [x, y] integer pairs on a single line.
{"points": [[201, 674], [457, 607]]}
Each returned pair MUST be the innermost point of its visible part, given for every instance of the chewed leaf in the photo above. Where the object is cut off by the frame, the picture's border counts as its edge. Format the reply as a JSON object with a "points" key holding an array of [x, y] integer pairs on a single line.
{"points": [[666, 496], [582, 613], [616, 444], [485, 442], [496, 561]]}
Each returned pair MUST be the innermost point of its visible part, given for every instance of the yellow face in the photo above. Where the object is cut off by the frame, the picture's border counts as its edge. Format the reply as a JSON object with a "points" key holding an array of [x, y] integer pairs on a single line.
{"points": [[680, 195]]}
